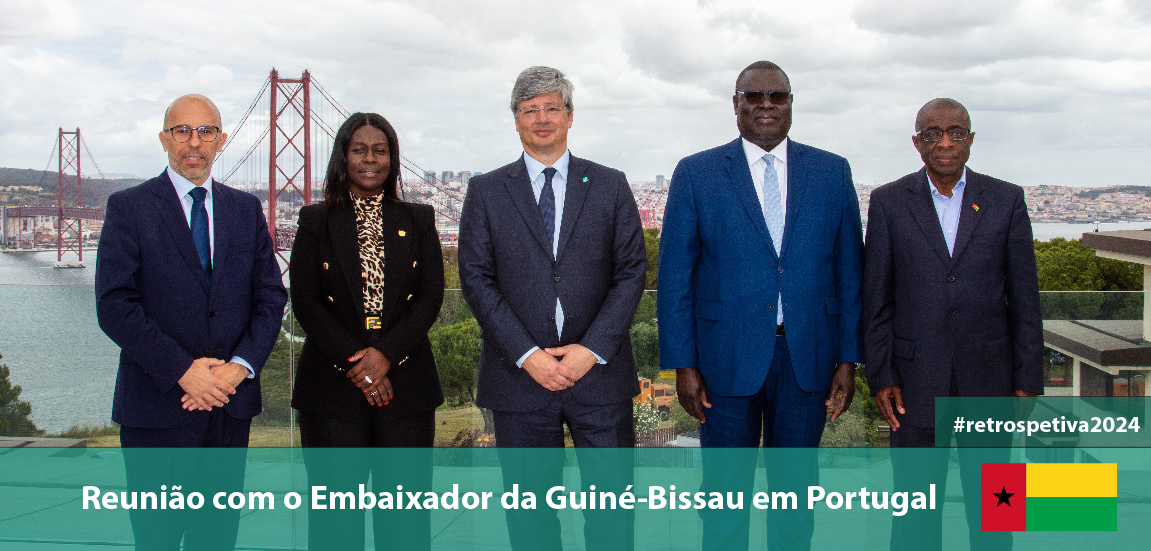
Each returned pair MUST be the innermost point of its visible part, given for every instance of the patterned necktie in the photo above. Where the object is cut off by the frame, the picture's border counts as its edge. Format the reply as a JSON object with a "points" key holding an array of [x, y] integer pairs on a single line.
{"points": [[199, 225], [773, 215], [772, 203], [548, 204]]}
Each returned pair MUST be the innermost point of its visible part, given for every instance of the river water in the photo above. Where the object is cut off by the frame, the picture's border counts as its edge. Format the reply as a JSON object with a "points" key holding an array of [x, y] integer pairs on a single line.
{"points": [[67, 366]]}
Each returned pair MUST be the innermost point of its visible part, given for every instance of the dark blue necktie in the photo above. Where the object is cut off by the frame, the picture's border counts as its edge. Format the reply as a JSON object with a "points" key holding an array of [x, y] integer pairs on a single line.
{"points": [[200, 232], [548, 204]]}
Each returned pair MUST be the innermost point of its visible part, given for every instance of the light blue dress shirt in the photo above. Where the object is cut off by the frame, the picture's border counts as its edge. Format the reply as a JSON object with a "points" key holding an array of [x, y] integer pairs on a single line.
{"points": [[948, 209], [183, 191], [559, 188]]}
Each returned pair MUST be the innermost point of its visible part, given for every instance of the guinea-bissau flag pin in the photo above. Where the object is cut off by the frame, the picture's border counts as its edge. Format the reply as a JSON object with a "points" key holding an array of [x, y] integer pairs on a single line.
{"points": [[1049, 497]]}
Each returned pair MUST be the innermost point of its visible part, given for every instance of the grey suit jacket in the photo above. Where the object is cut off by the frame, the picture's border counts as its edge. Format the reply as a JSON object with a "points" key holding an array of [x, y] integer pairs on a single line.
{"points": [[511, 281], [973, 315]]}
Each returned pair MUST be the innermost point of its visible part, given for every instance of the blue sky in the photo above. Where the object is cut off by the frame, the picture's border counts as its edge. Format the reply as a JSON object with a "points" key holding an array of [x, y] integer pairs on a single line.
{"points": [[1060, 90]]}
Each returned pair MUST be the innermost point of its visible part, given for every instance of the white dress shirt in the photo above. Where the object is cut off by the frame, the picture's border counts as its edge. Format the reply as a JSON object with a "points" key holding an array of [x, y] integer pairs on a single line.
{"points": [[758, 166], [183, 191]]}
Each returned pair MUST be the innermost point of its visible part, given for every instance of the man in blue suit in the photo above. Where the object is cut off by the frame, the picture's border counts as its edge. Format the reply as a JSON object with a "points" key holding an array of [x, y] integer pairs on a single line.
{"points": [[188, 287], [759, 286]]}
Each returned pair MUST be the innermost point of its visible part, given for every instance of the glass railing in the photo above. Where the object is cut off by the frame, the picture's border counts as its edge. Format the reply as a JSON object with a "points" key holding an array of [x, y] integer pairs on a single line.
{"points": [[65, 367]]}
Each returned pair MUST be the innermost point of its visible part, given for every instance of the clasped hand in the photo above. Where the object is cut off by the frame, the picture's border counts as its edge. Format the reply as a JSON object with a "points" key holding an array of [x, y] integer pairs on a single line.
{"points": [[370, 374], [209, 382], [559, 368]]}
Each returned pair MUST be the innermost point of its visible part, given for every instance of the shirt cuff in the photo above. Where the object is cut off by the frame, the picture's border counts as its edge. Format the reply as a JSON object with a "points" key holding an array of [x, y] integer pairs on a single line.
{"points": [[243, 362], [598, 359], [520, 362]]}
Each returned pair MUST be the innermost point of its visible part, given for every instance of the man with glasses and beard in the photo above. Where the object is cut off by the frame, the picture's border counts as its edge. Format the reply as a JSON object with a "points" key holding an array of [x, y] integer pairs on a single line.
{"points": [[951, 308], [759, 308], [187, 285]]}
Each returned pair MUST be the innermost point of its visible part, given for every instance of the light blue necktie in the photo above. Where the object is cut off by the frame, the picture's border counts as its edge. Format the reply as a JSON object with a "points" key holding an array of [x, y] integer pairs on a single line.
{"points": [[773, 211], [199, 226]]}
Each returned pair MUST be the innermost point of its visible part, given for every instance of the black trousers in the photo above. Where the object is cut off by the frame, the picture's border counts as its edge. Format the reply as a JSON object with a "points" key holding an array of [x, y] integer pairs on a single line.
{"points": [[604, 436], [345, 470], [153, 458]]}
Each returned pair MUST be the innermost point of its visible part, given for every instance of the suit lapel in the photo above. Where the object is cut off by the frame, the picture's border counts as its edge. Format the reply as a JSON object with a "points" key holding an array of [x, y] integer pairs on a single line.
{"points": [[222, 230], [740, 174], [796, 189], [923, 210], [397, 253], [969, 217], [346, 245], [577, 188], [520, 189], [167, 204]]}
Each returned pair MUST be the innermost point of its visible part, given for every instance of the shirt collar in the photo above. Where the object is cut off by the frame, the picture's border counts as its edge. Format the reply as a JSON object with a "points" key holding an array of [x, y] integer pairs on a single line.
{"points": [[535, 168], [959, 186], [754, 153], [183, 185]]}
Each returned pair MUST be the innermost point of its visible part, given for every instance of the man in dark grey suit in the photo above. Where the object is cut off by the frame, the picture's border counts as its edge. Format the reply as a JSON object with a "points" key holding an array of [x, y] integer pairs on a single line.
{"points": [[951, 305], [552, 265]]}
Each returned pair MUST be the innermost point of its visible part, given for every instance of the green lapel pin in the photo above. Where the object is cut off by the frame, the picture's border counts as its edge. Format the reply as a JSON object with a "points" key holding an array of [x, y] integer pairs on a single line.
{"points": [[585, 178]]}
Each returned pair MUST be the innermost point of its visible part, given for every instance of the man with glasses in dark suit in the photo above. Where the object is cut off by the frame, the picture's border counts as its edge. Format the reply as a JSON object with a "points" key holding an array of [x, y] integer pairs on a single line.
{"points": [[187, 285]]}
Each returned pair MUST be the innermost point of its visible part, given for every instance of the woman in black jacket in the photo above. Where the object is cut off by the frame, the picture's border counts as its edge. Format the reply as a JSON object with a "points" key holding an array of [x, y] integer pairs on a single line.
{"points": [[367, 281]]}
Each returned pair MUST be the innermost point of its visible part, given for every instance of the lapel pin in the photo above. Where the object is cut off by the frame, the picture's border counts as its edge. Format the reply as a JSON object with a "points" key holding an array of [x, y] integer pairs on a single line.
{"points": [[585, 178], [974, 206], [403, 233]]}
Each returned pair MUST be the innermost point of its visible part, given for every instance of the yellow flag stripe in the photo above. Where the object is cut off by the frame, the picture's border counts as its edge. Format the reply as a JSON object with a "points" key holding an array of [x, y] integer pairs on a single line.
{"points": [[1072, 480]]}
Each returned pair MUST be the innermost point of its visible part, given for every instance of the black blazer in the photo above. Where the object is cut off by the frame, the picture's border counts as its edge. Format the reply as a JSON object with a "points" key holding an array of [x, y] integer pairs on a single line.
{"points": [[511, 281], [929, 313], [327, 298]]}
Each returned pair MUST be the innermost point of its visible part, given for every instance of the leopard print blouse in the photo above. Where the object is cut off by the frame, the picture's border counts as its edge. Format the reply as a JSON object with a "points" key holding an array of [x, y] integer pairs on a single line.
{"points": [[370, 235]]}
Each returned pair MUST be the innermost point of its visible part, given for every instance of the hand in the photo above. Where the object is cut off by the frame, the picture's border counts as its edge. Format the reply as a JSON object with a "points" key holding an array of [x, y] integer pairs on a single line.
{"points": [[379, 393], [204, 389], [545, 369], [577, 360], [231, 373], [884, 397], [1024, 407], [842, 389], [692, 391], [371, 367]]}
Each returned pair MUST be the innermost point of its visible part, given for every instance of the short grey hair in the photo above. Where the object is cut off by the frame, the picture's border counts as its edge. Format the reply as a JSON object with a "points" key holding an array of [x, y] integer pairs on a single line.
{"points": [[940, 103], [538, 80]]}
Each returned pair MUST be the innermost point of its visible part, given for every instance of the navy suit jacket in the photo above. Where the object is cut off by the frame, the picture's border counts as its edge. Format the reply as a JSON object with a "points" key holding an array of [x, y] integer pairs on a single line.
{"points": [[153, 302], [511, 281], [720, 277], [974, 313]]}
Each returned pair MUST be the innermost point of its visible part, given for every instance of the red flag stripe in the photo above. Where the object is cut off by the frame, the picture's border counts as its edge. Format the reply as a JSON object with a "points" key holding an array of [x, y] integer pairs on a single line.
{"points": [[1003, 496]]}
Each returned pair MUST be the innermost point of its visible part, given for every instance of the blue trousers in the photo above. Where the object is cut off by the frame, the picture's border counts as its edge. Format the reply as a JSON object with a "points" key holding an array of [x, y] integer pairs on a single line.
{"points": [[779, 415]]}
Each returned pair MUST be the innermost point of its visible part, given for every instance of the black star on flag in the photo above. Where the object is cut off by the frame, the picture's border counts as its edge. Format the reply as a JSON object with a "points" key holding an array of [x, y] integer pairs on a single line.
{"points": [[1004, 497]]}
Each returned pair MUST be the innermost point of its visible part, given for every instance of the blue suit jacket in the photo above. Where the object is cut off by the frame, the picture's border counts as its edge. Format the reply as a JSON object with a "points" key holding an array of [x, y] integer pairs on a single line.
{"points": [[719, 275], [511, 281], [153, 302]]}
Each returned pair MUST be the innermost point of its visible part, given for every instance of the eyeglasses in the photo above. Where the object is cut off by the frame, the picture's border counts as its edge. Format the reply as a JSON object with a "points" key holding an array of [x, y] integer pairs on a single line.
{"points": [[932, 135], [183, 133], [550, 112], [777, 98]]}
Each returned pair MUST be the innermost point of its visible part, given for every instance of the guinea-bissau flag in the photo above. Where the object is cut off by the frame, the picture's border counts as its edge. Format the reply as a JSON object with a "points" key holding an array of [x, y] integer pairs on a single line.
{"points": [[1049, 497]]}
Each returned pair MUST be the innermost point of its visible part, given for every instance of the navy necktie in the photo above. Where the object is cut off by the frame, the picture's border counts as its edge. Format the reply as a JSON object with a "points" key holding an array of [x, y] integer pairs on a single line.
{"points": [[548, 204], [199, 225]]}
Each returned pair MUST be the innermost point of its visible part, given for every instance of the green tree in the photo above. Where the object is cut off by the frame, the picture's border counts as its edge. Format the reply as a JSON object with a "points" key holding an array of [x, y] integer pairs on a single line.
{"points": [[645, 311], [1066, 265], [644, 416], [645, 349], [276, 382], [14, 412], [457, 351], [651, 243]]}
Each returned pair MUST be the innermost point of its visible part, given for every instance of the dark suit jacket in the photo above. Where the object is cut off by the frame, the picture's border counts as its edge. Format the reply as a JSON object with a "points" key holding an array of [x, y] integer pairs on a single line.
{"points": [[328, 300], [511, 281], [153, 302], [929, 314], [720, 278]]}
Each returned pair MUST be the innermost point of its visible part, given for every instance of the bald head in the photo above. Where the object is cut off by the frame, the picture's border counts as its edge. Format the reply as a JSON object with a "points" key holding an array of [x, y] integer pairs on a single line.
{"points": [[937, 104], [187, 99]]}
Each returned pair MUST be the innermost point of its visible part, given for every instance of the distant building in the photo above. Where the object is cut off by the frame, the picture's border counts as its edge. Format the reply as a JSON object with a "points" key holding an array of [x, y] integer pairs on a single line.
{"points": [[464, 176], [447, 176], [660, 183], [430, 177]]}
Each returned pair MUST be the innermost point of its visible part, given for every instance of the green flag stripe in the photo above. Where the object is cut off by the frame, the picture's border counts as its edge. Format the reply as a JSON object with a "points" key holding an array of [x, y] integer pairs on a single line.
{"points": [[1069, 514]]}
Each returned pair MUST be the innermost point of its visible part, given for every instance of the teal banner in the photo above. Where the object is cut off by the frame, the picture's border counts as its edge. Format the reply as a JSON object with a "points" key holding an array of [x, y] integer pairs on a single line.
{"points": [[1055, 423], [648, 498]]}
